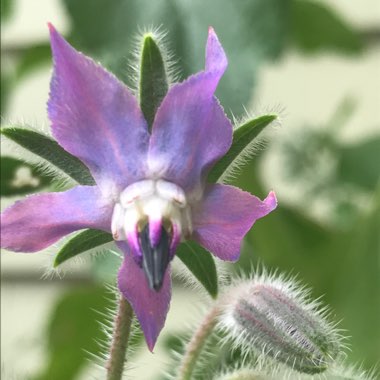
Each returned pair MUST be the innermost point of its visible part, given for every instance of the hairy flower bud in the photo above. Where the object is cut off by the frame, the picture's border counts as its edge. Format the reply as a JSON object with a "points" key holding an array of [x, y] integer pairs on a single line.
{"points": [[281, 373], [272, 318]]}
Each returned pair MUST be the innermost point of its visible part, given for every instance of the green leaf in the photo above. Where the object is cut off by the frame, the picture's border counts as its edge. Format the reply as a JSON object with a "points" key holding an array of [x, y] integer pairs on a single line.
{"points": [[316, 27], [7, 7], [359, 163], [112, 43], [33, 57], [13, 182], [200, 262], [80, 243], [153, 81], [49, 150], [357, 285], [116, 16], [6, 87], [74, 332], [242, 138]]}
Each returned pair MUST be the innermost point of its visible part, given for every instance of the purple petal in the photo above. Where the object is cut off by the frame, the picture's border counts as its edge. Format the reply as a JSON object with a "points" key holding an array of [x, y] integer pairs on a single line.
{"points": [[216, 59], [190, 131], [95, 117], [150, 307], [40, 220], [225, 216]]}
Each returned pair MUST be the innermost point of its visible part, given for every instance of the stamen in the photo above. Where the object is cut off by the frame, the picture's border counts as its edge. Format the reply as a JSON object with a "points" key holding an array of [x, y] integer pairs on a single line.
{"points": [[171, 191], [176, 238], [117, 223], [137, 190], [134, 243], [152, 216]]}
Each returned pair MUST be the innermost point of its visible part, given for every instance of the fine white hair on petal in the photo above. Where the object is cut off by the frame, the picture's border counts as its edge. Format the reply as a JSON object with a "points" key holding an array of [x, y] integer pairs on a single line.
{"points": [[117, 222]]}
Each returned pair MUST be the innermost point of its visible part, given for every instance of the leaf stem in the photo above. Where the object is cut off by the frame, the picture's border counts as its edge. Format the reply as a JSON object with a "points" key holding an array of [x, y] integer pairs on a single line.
{"points": [[196, 344], [122, 329]]}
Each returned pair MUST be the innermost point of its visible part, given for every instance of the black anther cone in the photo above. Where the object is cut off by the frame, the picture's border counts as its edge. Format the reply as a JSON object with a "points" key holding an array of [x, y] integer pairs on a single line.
{"points": [[155, 259]]}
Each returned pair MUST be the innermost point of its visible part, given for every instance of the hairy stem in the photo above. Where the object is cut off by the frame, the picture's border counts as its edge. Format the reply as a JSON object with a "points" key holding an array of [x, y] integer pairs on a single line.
{"points": [[122, 329], [196, 344]]}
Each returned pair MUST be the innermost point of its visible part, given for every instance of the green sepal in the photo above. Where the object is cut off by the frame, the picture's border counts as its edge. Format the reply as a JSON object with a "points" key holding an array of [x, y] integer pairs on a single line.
{"points": [[201, 263], [80, 243], [153, 84], [242, 137], [48, 149]]}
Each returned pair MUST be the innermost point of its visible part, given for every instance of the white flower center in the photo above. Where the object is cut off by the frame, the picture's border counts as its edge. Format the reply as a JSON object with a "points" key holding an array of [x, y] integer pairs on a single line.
{"points": [[151, 201]]}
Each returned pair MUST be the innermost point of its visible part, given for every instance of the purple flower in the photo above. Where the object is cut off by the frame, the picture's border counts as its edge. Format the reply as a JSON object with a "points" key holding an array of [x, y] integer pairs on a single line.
{"points": [[151, 190]]}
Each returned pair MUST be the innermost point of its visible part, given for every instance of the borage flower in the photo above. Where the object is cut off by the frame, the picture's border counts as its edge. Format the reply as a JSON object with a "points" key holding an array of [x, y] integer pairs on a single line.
{"points": [[151, 189]]}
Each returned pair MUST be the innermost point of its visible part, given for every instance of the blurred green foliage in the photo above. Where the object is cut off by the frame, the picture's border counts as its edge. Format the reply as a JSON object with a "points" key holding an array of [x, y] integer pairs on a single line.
{"points": [[201, 263], [18, 177], [358, 164], [314, 27], [74, 331], [6, 9], [258, 30], [338, 259], [31, 58]]}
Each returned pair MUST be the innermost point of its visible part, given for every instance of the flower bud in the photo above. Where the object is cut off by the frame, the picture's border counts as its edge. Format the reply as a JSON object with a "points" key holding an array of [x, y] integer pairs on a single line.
{"points": [[280, 373], [272, 318], [244, 374]]}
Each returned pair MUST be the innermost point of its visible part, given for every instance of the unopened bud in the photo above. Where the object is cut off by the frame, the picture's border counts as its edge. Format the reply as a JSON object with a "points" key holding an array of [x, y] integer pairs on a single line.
{"points": [[244, 374], [271, 318], [280, 373]]}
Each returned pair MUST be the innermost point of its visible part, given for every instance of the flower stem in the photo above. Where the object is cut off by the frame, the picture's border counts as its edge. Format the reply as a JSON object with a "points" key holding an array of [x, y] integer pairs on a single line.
{"points": [[196, 344], [122, 329]]}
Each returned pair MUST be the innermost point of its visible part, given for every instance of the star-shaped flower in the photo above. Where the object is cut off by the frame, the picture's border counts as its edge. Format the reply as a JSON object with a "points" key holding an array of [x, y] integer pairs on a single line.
{"points": [[151, 189]]}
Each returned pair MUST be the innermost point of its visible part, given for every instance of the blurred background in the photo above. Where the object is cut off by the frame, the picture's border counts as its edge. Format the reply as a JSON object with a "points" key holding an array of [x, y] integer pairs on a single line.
{"points": [[315, 63]]}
